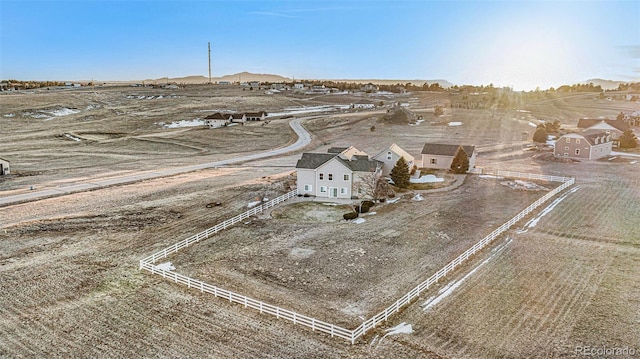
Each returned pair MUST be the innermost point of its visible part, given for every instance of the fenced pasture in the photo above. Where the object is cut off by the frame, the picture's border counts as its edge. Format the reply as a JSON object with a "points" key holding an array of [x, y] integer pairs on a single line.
{"points": [[569, 281], [319, 325]]}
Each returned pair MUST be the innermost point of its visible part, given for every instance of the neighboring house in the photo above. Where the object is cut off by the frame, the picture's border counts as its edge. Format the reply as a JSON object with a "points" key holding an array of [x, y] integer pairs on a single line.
{"points": [[440, 156], [4, 167], [596, 125], [336, 175], [632, 120], [583, 146], [254, 84], [346, 152], [224, 82], [390, 156], [278, 86], [216, 120], [298, 86], [256, 116]]}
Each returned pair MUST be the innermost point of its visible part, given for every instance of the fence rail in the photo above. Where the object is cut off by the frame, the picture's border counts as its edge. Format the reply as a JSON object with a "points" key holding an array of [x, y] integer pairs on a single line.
{"points": [[148, 264]]}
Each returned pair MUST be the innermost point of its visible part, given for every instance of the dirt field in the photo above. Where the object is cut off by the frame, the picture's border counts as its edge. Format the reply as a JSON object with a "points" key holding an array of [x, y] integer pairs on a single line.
{"points": [[68, 265]]}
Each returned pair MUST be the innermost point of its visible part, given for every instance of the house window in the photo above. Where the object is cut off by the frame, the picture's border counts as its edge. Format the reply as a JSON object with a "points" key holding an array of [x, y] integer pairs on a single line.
{"points": [[389, 155], [343, 190], [566, 154], [346, 177], [330, 176], [323, 189], [568, 140], [434, 161], [577, 141], [307, 188], [566, 148], [321, 176], [577, 151]]}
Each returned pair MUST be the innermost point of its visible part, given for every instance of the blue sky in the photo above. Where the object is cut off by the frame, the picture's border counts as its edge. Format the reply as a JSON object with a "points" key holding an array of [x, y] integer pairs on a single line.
{"points": [[523, 44]]}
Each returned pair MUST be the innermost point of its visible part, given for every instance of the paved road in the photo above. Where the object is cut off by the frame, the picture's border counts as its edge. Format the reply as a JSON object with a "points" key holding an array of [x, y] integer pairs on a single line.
{"points": [[304, 138]]}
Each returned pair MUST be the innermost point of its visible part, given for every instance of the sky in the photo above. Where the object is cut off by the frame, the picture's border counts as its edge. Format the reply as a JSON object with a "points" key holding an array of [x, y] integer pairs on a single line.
{"points": [[521, 44]]}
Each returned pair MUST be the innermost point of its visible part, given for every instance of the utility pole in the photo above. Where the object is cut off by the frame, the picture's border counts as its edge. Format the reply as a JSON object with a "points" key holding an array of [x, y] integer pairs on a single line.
{"points": [[209, 62]]}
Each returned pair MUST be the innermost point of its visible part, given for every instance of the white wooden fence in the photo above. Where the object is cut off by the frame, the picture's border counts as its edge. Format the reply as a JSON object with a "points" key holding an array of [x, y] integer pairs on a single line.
{"points": [[315, 324]]}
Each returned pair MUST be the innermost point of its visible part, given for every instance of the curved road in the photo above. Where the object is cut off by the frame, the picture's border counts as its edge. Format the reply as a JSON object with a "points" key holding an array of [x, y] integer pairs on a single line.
{"points": [[304, 138]]}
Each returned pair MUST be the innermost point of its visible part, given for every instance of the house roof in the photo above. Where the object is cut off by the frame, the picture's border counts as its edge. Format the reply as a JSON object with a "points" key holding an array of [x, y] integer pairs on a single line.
{"points": [[2, 159], [590, 122], [397, 150], [314, 160], [589, 137], [337, 149], [361, 163], [216, 116], [237, 115], [256, 114], [445, 149]]}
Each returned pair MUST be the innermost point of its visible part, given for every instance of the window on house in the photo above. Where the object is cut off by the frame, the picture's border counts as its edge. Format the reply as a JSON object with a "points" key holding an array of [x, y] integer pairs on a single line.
{"points": [[577, 140], [568, 140], [566, 154], [434, 161], [566, 148], [346, 177], [307, 188], [343, 190], [321, 176], [330, 176], [389, 155], [323, 189], [577, 151]]}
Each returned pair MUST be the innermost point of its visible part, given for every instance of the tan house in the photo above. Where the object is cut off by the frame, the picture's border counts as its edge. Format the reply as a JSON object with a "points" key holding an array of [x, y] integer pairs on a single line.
{"points": [[336, 175], [583, 146], [4, 167], [390, 156], [440, 156], [615, 128]]}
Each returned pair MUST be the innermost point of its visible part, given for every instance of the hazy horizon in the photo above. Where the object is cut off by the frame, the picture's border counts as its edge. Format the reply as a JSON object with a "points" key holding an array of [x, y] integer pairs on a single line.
{"points": [[522, 45]]}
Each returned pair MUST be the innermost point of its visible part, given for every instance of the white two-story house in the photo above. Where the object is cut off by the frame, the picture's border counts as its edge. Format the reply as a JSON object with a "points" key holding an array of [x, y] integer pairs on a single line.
{"points": [[345, 174]]}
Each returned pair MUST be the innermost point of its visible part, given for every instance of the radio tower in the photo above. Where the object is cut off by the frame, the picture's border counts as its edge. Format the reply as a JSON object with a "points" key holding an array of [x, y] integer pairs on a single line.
{"points": [[209, 63]]}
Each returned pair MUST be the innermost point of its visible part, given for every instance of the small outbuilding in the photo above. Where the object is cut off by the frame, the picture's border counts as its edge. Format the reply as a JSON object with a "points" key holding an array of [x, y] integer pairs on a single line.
{"points": [[4, 167], [440, 156]]}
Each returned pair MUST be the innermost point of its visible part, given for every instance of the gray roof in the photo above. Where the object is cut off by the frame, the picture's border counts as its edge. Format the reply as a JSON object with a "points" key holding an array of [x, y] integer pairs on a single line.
{"points": [[356, 164], [314, 160], [361, 163], [337, 149], [217, 116], [588, 122], [445, 149]]}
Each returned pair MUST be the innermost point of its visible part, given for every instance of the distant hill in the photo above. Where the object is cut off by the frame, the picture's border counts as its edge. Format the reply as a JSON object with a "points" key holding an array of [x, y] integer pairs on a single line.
{"points": [[239, 77]]}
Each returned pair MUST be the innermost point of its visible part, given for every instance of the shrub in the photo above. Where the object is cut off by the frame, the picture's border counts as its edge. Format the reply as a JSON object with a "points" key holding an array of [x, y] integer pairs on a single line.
{"points": [[368, 203], [349, 216]]}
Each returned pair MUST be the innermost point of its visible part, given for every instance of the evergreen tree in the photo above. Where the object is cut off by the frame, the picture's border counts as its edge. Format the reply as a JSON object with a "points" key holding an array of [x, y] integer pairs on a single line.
{"points": [[460, 163], [400, 173], [628, 140], [540, 135]]}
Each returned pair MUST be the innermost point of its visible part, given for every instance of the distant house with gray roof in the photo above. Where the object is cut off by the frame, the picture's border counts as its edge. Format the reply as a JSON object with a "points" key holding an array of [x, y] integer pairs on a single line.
{"points": [[440, 155], [334, 174]]}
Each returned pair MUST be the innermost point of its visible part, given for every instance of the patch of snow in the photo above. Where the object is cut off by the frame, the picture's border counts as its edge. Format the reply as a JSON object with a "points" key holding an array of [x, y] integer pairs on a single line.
{"points": [[426, 179], [633, 162], [63, 111], [372, 213], [9, 115], [359, 220], [449, 288], [525, 111], [308, 109], [168, 266], [533, 124], [490, 176], [185, 123], [253, 204], [393, 200], [612, 158], [455, 123], [533, 222], [329, 204], [417, 197], [402, 328], [72, 137]]}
